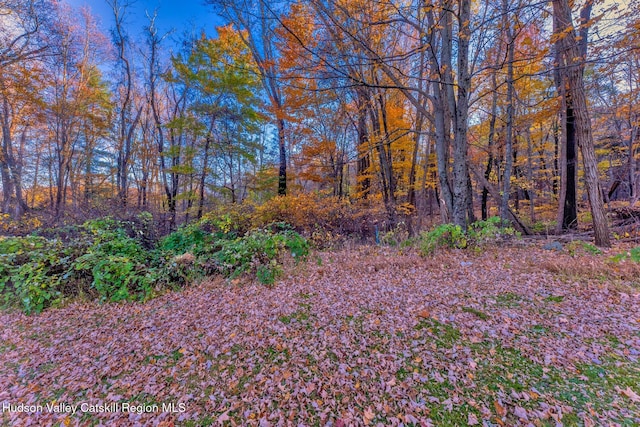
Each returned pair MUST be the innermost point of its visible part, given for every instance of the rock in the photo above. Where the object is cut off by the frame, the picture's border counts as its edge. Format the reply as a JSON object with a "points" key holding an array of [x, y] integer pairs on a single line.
{"points": [[553, 246]]}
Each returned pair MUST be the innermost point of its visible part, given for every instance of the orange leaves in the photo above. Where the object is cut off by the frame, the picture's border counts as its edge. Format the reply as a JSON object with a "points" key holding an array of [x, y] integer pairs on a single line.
{"points": [[424, 314], [320, 216]]}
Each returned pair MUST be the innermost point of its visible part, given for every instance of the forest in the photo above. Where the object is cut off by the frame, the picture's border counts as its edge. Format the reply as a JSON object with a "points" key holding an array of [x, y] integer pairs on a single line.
{"points": [[320, 212]]}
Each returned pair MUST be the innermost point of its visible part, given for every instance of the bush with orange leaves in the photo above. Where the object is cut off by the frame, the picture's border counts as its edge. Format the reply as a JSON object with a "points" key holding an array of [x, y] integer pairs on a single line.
{"points": [[324, 219], [22, 226]]}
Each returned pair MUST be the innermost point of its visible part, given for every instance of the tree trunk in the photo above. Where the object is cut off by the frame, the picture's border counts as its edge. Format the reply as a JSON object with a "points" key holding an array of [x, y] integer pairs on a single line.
{"points": [[490, 144], [508, 167], [570, 211], [571, 55], [460, 171], [364, 162], [282, 172], [531, 188], [442, 138]]}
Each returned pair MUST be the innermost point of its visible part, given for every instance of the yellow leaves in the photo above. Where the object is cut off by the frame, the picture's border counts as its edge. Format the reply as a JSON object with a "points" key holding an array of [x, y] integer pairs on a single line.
{"points": [[18, 226], [405, 209]]}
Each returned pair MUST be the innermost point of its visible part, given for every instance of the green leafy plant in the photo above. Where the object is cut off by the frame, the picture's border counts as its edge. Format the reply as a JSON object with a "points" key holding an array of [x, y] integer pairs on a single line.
{"points": [[578, 246], [396, 236], [453, 236], [258, 252], [32, 269], [489, 230], [189, 238], [116, 262], [633, 255], [445, 235], [113, 260]]}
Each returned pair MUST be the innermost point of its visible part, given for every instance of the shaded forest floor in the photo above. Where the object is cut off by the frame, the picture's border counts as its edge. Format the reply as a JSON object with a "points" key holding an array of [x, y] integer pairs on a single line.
{"points": [[505, 336]]}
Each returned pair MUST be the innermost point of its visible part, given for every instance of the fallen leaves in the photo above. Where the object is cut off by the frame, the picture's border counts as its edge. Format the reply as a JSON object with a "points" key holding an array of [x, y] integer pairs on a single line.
{"points": [[349, 346], [500, 409], [521, 413], [368, 416], [424, 314], [628, 392], [472, 419]]}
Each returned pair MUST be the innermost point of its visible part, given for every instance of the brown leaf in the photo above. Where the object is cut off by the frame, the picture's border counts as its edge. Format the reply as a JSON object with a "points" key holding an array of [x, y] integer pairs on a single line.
{"points": [[500, 410], [472, 420], [630, 394], [520, 412], [424, 314], [368, 416]]}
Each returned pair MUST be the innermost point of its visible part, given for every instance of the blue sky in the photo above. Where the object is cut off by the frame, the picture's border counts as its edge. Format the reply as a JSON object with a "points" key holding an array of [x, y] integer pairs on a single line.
{"points": [[179, 15]]}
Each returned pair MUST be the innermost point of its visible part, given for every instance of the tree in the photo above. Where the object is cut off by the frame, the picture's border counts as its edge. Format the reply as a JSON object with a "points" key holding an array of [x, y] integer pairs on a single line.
{"points": [[128, 113], [78, 99], [170, 179], [23, 40], [256, 24], [570, 55], [223, 80]]}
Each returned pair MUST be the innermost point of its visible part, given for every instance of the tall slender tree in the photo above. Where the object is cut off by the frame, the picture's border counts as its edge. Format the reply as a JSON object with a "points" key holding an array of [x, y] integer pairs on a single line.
{"points": [[572, 63]]}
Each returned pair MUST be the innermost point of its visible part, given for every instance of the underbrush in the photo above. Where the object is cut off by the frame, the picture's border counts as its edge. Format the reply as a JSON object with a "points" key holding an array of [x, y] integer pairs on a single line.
{"points": [[324, 220], [111, 260], [453, 236]]}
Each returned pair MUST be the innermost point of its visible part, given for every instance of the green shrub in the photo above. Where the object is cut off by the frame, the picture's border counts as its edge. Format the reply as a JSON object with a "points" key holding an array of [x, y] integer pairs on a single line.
{"points": [[31, 271], [490, 230], [189, 238], [633, 255], [541, 227], [35, 285], [578, 246], [117, 263], [396, 236], [109, 260], [229, 221], [258, 252], [119, 278], [444, 235], [453, 236]]}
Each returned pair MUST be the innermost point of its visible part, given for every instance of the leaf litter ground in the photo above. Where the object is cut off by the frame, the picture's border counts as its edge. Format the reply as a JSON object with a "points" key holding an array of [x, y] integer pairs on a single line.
{"points": [[367, 336]]}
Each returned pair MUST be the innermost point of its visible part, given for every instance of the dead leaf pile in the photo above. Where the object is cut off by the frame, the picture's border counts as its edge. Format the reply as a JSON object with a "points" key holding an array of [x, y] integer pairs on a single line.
{"points": [[455, 339]]}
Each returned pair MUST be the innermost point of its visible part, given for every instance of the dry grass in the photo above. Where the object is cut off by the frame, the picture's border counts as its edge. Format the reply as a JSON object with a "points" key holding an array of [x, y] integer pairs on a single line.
{"points": [[623, 275]]}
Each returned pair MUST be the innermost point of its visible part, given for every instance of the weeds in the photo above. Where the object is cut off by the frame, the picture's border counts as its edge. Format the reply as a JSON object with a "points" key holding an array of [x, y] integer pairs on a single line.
{"points": [[453, 236], [108, 260]]}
